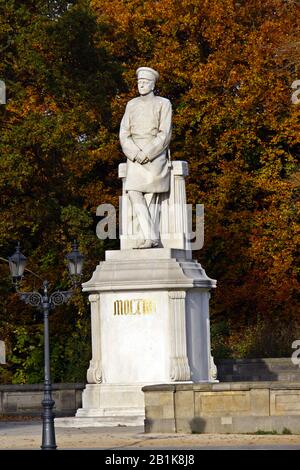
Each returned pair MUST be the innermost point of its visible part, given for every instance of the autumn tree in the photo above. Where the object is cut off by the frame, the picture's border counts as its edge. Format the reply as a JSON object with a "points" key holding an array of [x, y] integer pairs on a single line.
{"points": [[227, 66], [234, 123], [59, 87]]}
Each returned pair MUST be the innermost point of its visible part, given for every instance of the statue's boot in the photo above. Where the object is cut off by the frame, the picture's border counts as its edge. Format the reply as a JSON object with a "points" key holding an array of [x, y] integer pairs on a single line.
{"points": [[149, 244]]}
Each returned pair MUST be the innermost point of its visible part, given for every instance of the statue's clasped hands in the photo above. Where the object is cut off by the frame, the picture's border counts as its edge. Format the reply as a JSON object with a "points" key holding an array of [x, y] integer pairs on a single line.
{"points": [[142, 158]]}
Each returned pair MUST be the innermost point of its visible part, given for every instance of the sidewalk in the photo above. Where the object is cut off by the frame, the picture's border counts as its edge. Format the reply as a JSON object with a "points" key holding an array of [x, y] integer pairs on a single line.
{"points": [[27, 435]]}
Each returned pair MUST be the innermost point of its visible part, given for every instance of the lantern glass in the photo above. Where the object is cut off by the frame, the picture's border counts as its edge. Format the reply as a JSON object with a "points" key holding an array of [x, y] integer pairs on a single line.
{"points": [[17, 263], [75, 262]]}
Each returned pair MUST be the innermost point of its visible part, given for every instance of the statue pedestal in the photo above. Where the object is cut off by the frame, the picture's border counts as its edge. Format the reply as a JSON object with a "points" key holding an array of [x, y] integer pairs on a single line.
{"points": [[150, 325]]}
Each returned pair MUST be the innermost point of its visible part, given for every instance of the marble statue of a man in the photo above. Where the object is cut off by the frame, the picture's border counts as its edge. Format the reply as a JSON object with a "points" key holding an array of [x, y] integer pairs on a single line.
{"points": [[145, 135]]}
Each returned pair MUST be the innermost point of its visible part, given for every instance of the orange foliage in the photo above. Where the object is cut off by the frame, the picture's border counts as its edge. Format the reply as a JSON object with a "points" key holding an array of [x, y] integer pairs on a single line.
{"points": [[222, 64], [227, 66]]}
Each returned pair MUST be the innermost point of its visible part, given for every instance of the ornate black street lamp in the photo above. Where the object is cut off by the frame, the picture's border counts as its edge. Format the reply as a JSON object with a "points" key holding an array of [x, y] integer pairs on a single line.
{"points": [[45, 303]]}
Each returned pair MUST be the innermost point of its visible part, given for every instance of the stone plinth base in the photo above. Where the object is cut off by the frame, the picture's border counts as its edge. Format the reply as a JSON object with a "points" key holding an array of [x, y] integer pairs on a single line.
{"points": [[150, 325], [244, 407], [102, 422], [112, 405]]}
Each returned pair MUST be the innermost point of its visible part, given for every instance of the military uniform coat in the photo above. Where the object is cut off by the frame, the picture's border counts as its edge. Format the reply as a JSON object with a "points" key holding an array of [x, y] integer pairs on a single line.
{"points": [[147, 126]]}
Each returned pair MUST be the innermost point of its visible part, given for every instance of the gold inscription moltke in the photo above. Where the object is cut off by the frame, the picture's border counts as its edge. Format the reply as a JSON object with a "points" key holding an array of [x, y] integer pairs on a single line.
{"points": [[134, 307]]}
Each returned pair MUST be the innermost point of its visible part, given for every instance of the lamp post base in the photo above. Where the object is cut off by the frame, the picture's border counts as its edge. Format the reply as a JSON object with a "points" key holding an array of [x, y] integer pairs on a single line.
{"points": [[48, 437]]}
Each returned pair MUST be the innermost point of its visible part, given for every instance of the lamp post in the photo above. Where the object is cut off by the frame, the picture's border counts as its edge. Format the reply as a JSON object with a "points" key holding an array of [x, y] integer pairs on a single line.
{"points": [[46, 302]]}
